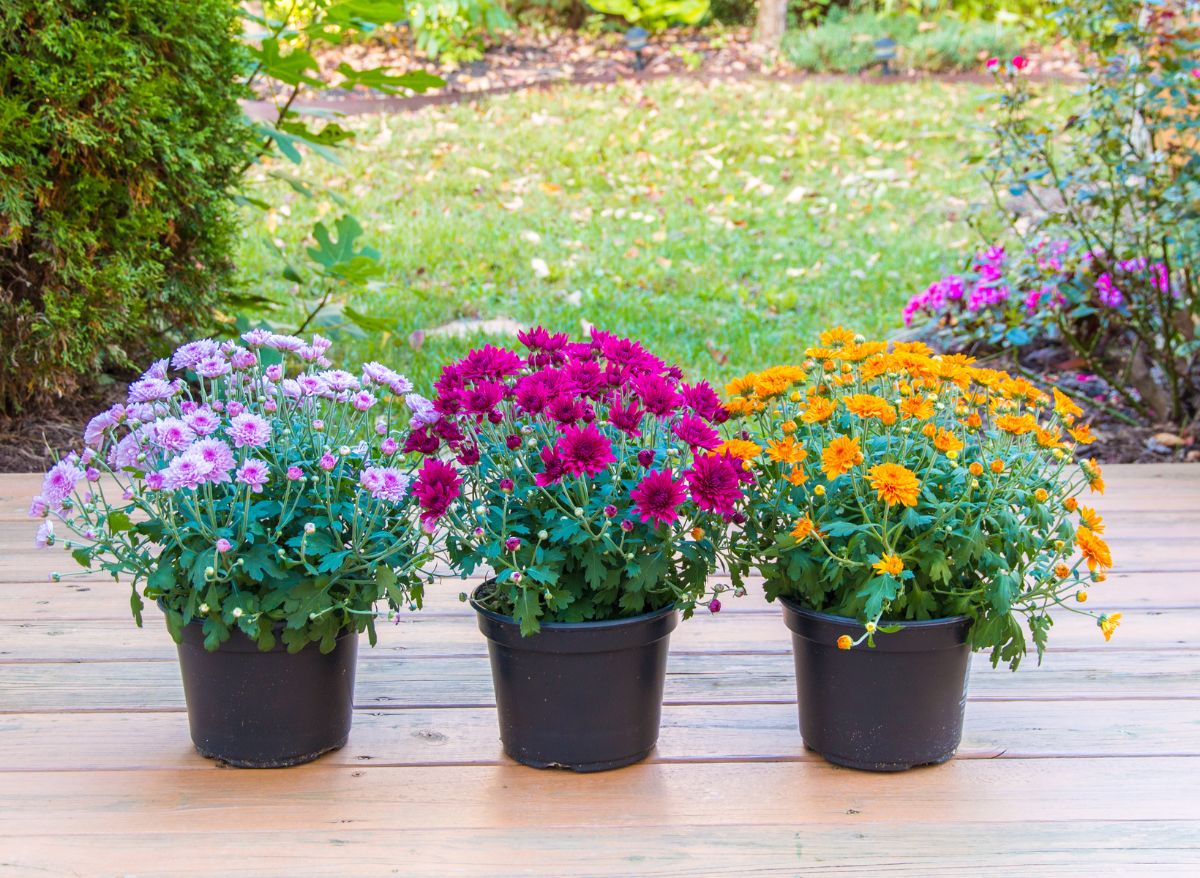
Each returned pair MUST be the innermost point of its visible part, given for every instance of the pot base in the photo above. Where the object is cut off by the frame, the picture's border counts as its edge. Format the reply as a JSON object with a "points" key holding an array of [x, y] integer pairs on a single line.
{"points": [[286, 762], [860, 765], [584, 767]]}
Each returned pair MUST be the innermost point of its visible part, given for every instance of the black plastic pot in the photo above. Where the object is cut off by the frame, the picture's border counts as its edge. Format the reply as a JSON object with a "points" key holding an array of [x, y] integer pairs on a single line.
{"points": [[890, 708], [585, 696], [255, 709]]}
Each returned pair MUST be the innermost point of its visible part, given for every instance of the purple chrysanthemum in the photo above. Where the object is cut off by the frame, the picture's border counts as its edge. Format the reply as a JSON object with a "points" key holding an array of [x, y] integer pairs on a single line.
{"points": [[697, 433], [203, 421], [715, 483], [384, 483], [60, 482], [171, 434], [187, 356], [436, 487], [93, 434], [216, 455]]}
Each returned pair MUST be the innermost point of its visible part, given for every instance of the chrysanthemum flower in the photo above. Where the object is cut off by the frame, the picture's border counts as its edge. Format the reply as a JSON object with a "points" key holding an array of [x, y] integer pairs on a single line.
{"points": [[803, 528], [894, 484], [818, 409], [1093, 474], [947, 442], [715, 482], [1108, 623], [1082, 434], [918, 407], [840, 456], [868, 405], [1094, 550], [1066, 406], [584, 451], [742, 449], [436, 487], [889, 565], [1018, 425], [1091, 519], [786, 450], [657, 497]]}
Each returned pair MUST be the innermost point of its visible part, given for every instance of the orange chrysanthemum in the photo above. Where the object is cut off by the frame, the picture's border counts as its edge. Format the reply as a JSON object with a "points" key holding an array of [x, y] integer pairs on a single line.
{"points": [[1091, 519], [786, 450], [919, 407], [1018, 425], [818, 410], [803, 528], [739, 448], [1082, 434], [1049, 438], [1093, 474], [997, 466], [796, 475], [1066, 406], [1070, 504], [976, 469], [1062, 571], [867, 405], [947, 442], [836, 337], [894, 484], [1094, 550], [840, 456]]}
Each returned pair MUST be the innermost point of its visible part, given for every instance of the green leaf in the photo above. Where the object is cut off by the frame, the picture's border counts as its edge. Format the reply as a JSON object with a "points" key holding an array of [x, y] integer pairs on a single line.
{"points": [[118, 522], [136, 605], [526, 610], [379, 79]]}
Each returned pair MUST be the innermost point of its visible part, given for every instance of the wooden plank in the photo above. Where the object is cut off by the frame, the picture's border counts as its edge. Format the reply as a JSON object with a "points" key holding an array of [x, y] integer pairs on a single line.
{"points": [[433, 634], [465, 681], [742, 733], [510, 796], [717, 846]]}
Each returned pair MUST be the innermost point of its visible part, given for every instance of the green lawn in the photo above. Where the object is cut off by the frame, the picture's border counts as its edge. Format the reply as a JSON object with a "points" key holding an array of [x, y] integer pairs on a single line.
{"points": [[723, 224]]}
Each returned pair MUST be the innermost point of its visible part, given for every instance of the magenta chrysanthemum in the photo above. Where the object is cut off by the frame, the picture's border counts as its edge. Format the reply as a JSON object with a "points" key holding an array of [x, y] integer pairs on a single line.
{"points": [[255, 474], [658, 497], [436, 487], [715, 483], [697, 433], [584, 451]]}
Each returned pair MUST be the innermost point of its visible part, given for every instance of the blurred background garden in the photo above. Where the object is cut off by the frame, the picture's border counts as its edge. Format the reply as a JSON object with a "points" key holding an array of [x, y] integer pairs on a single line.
{"points": [[1015, 180]]}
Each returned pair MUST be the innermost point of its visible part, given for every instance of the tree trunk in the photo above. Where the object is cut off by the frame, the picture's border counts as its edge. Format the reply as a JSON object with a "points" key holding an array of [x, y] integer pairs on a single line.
{"points": [[772, 19]]}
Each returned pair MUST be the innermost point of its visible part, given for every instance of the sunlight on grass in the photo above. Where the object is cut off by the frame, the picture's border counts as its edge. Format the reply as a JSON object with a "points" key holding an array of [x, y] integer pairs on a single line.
{"points": [[723, 224]]}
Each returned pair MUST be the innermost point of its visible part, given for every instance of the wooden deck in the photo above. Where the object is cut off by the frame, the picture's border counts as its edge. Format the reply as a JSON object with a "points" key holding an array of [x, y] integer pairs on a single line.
{"points": [[1087, 765]]}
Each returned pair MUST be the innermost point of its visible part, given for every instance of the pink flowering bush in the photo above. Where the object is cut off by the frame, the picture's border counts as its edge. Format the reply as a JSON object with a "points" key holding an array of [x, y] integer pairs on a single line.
{"points": [[1102, 207], [250, 486], [594, 479]]}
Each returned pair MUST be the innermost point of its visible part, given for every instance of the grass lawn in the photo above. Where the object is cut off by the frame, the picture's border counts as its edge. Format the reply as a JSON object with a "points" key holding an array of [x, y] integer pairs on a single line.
{"points": [[724, 224]]}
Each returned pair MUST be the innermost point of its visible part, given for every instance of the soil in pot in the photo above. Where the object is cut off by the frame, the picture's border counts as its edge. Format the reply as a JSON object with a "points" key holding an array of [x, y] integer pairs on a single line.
{"points": [[255, 709], [584, 696], [889, 708]]}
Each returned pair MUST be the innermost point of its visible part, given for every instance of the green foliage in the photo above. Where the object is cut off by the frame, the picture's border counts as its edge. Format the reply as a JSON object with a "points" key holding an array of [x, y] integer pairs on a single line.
{"points": [[1032, 15], [1119, 181], [654, 14], [284, 64], [845, 43], [120, 135], [455, 28]]}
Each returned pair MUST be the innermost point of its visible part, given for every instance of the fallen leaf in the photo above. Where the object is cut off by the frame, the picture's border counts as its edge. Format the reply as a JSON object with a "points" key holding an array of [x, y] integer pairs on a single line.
{"points": [[540, 268], [1170, 440]]}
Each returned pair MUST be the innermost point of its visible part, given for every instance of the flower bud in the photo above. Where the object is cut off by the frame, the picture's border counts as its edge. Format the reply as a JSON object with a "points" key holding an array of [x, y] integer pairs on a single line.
{"points": [[204, 608], [237, 612], [310, 528], [543, 535]]}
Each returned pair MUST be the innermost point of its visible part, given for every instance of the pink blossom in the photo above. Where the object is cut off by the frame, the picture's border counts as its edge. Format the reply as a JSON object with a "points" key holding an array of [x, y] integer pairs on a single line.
{"points": [[223, 545], [363, 400], [385, 483], [37, 509], [93, 434], [255, 474], [389, 446], [59, 483], [327, 461], [45, 534], [171, 434], [249, 430], [294, 473]]}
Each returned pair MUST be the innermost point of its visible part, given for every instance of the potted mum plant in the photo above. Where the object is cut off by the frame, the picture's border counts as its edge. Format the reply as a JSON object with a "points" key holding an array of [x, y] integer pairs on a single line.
{"points": [[908, 509], [260, 497], [596, 494]]}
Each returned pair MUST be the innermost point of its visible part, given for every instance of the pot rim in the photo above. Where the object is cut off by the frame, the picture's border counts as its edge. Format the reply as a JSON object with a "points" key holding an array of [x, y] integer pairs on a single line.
{"points": [[942, 621], [596, 625]]}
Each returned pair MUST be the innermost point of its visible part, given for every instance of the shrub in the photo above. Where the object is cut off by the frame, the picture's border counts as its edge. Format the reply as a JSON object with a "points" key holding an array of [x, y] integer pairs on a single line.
{"points": [[1102, 208], [120, 136], [845, 43]]}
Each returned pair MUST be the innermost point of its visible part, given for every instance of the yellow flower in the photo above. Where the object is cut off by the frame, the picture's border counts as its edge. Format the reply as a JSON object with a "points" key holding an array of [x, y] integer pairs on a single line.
{"points": [[802, 529], [786, 451], [1082, 434], [919, 407], [1041, 495], [867, 405], [1108, 623], [819, 490], [818, 410], [1094, 550], [845, 642], [947, 442], [841, 455], [1092, 519], [739, 448], [890, 565], [1081, 596], [739, 386], [976, 469], [837, 337], [1093, 474], [1066, 406], [1018, 425], [895, 484]]}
